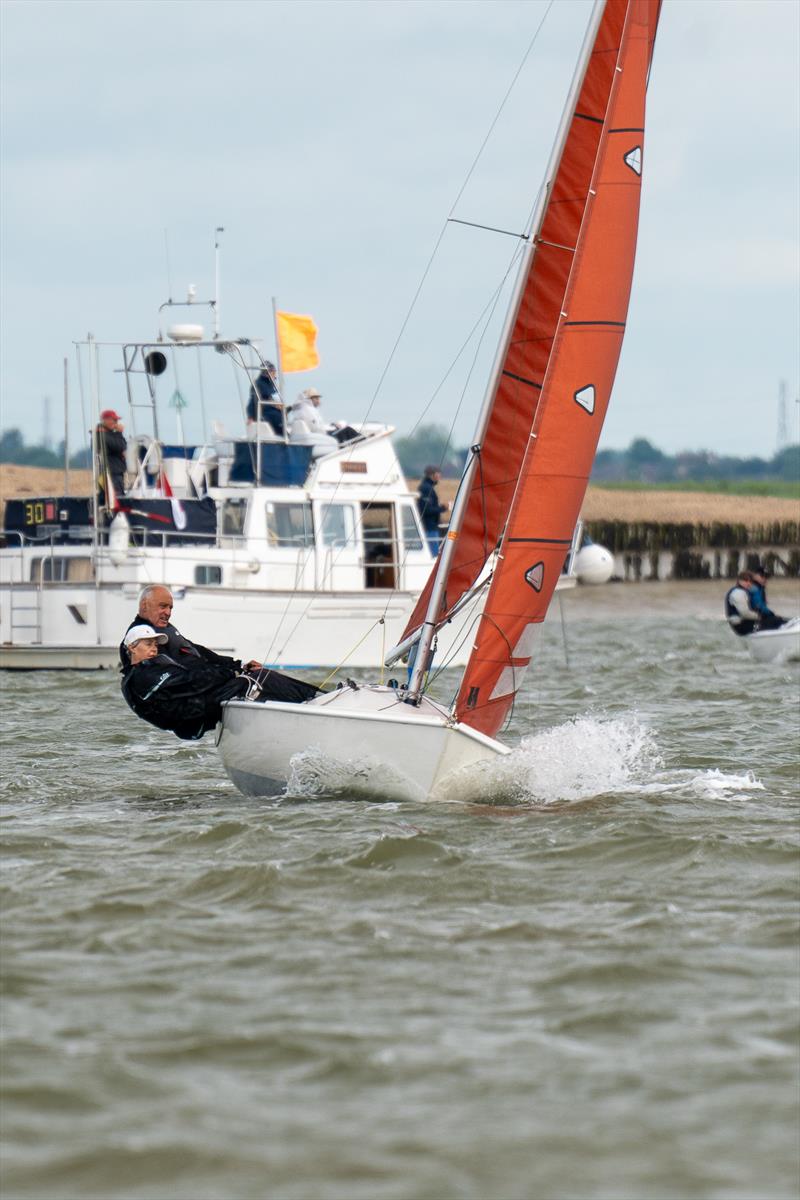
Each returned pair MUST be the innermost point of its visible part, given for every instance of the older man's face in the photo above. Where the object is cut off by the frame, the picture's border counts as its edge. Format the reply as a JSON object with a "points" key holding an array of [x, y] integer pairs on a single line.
{"points": [[143, 649], [157, 608]]}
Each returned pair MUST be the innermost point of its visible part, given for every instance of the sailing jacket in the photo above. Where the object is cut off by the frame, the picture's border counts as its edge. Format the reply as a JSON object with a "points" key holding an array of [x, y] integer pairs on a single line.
{"points": [[767, 619], [110, 446], [430, 510], [184, 697], [179, 647], [737, 610]]}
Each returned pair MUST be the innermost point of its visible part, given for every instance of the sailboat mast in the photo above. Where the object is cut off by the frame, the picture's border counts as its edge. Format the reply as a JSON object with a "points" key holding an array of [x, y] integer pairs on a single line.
{"points": [[428, 629]]}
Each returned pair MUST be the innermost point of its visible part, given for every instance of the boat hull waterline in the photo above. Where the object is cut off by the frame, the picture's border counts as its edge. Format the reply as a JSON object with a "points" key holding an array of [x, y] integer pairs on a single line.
{"points": [[776, 645], [362, 740]]}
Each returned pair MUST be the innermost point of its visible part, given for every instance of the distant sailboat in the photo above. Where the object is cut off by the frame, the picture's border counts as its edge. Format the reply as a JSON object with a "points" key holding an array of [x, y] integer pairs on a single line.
{"points": [[526, 475]]}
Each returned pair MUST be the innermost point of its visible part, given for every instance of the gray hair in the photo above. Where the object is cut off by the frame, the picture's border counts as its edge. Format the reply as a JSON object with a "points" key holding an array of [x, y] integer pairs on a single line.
{"points": [[147, 592]]}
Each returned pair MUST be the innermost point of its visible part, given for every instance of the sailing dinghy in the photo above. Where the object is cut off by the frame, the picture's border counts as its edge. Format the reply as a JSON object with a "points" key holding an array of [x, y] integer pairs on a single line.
{"points": [[528, 467]]}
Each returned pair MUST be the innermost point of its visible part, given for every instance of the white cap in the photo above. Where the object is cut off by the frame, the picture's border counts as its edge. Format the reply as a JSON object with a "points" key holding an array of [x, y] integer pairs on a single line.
{"points": [[143, 631], [312, 394]]}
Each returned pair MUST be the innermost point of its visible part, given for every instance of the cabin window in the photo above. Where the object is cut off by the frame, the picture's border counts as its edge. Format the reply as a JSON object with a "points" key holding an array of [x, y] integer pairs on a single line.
{"points": [[412, 537], [289, 526], [207, 575], [233, 515], [60, 569], [338, 524]]}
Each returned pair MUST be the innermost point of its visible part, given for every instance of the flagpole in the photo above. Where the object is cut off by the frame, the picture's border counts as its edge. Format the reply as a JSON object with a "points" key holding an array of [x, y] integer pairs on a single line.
{"points": [[279, 365]]}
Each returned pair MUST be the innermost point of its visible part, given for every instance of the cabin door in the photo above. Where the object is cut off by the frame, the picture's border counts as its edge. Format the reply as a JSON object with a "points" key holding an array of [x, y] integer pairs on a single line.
{"points": [[380, 546]]}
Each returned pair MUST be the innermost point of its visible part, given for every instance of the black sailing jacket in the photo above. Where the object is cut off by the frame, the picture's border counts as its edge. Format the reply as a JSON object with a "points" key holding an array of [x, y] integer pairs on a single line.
{"points": [[183, 697]]}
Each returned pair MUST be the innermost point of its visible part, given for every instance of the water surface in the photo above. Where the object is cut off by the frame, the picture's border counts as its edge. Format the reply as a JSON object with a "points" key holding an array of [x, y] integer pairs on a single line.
{"points": [[579, 983]]}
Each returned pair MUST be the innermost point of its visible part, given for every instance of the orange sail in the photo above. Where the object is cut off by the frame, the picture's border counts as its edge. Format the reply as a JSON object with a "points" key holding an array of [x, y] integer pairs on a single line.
{"points": [[563, 357], [521, 369]]}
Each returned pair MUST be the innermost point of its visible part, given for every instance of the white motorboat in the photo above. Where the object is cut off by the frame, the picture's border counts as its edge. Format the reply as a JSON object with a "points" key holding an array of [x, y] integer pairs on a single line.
{"points": [[305, 551], [776, 645], [524, 482]]}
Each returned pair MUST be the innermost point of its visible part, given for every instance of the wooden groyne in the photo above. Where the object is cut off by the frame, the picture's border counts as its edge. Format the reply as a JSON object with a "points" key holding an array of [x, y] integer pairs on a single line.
{"points": [[696, 550]]}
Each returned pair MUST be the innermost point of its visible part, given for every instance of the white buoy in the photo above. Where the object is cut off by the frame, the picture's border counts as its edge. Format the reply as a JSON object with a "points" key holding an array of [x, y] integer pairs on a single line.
{"points": [[593, 564], [118, 539]]}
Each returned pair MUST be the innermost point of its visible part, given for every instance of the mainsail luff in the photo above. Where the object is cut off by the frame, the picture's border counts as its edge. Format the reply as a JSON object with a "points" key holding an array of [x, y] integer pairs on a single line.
{"points": [[512, 408], [583, 352]]}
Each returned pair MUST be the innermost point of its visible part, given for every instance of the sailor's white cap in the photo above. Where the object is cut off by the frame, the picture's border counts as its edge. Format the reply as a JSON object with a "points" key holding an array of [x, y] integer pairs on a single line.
{"points": [[137, 632]]}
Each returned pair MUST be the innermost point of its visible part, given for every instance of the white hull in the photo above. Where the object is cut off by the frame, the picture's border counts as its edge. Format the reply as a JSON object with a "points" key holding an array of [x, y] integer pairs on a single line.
{"points": [[776, 645], [364, 741]]}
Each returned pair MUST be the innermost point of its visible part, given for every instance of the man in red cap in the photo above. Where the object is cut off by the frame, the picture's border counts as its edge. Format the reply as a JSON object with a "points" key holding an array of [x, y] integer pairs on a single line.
{"points": [[110, 446]]}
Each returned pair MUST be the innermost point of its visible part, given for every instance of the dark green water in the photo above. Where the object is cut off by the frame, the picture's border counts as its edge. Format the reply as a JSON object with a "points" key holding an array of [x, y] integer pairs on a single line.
{"points": [[584, 986]]}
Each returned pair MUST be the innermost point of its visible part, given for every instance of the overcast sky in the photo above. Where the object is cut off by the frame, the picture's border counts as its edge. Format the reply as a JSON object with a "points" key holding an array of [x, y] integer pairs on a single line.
{"points": [[331, 140]]}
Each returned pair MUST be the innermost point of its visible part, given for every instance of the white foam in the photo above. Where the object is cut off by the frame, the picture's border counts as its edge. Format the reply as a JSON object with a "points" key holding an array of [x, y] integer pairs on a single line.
{"points": [[584, 758], [314, 775]]}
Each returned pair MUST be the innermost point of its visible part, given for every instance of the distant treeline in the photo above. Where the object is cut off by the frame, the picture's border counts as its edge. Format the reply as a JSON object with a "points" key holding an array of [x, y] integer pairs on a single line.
{"points": [[14, 450], [640, 463]]}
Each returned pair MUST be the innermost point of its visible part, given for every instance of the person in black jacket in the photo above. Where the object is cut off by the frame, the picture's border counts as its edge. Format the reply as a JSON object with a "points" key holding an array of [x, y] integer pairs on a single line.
{"points": [[186, 697], [110, 447], [264, 403], [155, 608], [430, 510]]}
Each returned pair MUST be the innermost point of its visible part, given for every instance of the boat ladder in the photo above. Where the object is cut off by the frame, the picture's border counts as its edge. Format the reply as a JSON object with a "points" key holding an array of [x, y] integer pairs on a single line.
{"points": [[25, 612]]}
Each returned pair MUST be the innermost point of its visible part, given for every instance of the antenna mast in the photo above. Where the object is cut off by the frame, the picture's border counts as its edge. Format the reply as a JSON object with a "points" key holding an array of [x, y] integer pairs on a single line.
{"points": [[219, 229]]}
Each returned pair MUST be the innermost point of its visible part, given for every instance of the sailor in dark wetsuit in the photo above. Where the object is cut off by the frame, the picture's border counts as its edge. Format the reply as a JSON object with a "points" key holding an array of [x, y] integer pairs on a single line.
{"points": [[155, 608]]}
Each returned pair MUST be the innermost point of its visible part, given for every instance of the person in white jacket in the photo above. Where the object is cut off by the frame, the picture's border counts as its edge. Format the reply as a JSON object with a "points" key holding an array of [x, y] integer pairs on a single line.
{"points": [[306, 408]]}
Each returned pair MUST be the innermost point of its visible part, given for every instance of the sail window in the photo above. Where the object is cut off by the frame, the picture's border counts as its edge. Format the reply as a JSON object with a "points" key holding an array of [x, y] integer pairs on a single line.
{"points": [[412, 536], [207, 575], [509, 682], [233, 515], [585, 397], [633, 159], [289, 526], [338, 524], [58, 569]]}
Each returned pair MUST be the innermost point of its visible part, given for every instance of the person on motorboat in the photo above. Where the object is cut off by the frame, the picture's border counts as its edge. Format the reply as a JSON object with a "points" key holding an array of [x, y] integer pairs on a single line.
{"points": [[186, 697], [110, 446], [430, 510], [738, 612], [306, 408], [264, 402], [767, 619]]}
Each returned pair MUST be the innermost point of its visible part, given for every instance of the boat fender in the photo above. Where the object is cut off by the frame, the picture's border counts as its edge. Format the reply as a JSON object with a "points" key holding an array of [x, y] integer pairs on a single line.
{"points": [[118, 539], [593, 564]]}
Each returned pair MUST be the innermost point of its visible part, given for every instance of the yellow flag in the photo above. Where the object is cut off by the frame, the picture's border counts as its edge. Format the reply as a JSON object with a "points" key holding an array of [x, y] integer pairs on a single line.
{"points": [[297, 338]]}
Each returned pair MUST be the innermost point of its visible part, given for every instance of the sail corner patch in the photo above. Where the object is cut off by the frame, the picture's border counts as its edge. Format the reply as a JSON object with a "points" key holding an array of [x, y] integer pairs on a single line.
{"points": [[535, 576], [585, 398], [633, 159]]}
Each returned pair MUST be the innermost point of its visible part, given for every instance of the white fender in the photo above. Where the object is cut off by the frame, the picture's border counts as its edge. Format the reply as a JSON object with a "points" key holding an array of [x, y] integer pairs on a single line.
{"points": [[593, 564], [118, 539]]}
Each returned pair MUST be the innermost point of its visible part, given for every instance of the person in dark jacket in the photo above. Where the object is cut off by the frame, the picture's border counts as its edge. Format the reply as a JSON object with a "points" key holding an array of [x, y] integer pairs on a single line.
{"points": [[430, 510], [738, 612], [155, 608], [264, 403], [767, 619], [110, 446], [186, 697]]}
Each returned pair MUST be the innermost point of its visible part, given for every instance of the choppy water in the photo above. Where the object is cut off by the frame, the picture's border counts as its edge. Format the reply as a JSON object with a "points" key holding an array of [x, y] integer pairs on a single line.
{"points": [[583, 986]]}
